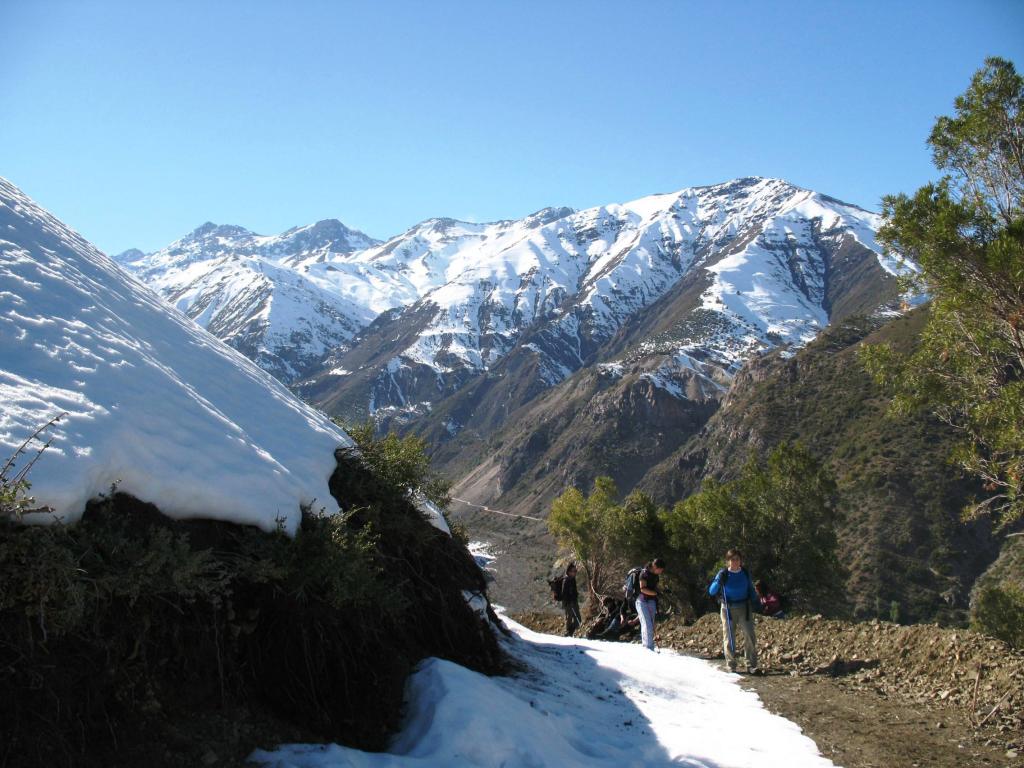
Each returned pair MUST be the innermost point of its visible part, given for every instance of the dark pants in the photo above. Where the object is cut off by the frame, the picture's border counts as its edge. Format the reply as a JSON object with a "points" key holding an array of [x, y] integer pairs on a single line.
{"points": [[572, 617]]}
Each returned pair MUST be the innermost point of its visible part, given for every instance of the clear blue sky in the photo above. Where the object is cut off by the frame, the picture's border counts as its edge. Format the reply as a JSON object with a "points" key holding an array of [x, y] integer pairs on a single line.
{"points": [[135, 122]]}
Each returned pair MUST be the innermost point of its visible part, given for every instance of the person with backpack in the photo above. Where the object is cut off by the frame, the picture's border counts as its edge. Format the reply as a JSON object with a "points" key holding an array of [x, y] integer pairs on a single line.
{"points": [[570, 600], [735, 591], [647, 599]]}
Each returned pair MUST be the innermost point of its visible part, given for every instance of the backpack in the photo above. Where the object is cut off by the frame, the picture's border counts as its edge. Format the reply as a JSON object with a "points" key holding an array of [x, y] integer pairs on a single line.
{"points": [[631, 587], [556, 588]]}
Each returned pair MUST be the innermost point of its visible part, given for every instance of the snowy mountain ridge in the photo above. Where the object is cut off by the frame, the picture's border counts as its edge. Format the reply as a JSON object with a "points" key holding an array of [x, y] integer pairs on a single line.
{"points": [[569, 280], [762, 259]]}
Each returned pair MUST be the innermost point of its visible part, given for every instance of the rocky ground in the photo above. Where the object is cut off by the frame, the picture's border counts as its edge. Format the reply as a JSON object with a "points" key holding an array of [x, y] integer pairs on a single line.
{"points": [[875, 694]]}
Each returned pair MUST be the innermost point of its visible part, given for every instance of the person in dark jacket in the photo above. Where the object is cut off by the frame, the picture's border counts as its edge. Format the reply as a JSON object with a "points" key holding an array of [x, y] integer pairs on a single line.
{"points": [[570, 601], [647, 600], [735, 589]]}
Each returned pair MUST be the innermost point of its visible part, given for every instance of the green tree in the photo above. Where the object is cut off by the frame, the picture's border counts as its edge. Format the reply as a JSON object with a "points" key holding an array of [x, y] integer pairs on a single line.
{"points": [[966, 232], [580, 524], [607, 538], [780, 512], [634, 531], [401, 462]]}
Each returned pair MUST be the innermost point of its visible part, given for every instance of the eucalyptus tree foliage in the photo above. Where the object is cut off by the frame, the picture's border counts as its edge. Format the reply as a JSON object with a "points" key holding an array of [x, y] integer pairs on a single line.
{"points": [[967, 233]]}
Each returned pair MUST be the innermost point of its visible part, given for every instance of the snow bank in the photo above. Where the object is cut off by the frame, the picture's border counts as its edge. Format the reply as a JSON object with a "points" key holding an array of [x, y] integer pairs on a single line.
{"points": [[579, 703], [155, 405]]}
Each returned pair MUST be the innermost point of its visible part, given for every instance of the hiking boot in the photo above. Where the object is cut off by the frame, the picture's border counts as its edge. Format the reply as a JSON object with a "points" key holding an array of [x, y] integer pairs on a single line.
{"points": [[757, 672]]}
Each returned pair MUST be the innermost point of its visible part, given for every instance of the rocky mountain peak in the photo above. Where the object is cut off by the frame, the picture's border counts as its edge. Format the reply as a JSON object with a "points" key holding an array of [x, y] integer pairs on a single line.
{"points": [[329, 234], [210, 230], [129, 256], [546, 216]]}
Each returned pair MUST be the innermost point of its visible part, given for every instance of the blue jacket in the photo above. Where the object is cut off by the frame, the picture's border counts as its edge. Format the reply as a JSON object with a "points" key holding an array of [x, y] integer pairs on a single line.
{"points": [[738, 588]]}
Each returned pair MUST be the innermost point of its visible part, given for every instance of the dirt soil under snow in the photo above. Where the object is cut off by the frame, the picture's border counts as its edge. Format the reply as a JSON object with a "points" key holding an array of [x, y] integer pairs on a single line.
{"points": [[875, 694]]}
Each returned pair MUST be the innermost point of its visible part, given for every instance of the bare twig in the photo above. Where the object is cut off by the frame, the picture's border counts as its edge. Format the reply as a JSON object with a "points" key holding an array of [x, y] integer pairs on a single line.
{"points": [[1005, 696], [974, 698], [21, 448]]}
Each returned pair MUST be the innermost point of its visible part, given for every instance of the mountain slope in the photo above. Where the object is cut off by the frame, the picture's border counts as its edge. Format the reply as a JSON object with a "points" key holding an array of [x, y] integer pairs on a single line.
{"points": [[752, 263], [282, 301], [902, 539]]}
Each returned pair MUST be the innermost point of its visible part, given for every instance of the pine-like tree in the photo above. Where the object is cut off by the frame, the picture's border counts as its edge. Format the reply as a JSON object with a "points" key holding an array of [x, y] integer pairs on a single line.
{"points": [[967, 233]]}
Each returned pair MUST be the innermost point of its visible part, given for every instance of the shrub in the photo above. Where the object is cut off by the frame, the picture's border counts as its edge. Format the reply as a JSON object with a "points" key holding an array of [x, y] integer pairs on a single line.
{"points": [[111, 628], [999, 612]]}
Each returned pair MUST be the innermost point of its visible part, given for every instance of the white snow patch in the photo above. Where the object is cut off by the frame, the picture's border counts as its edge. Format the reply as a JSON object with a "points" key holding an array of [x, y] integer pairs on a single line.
{"points": [[579, 702], [482, 554], [433, 514], [155, 405]]}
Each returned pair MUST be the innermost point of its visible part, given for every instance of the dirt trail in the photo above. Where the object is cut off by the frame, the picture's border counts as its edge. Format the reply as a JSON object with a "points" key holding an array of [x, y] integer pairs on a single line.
{"points": [[874, 694]]}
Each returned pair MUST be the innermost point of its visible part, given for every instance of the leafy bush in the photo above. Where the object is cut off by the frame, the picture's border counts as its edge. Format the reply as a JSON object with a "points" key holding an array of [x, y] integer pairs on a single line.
{"points": [[999, 612], [401, 462], [14, 485]]}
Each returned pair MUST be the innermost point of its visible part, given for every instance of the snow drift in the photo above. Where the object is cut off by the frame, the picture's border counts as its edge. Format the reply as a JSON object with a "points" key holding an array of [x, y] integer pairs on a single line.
{"points": [[156, 406]]}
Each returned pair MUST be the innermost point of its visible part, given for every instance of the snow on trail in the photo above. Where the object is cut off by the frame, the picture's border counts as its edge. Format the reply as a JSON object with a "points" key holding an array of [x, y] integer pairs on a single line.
{"points": [[577, 703]]}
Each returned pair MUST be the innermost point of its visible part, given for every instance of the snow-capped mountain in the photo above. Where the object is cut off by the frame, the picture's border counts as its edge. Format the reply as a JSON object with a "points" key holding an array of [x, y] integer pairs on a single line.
{"points": [[764, 263], [153, 404], [401, 324], [280, 300]]}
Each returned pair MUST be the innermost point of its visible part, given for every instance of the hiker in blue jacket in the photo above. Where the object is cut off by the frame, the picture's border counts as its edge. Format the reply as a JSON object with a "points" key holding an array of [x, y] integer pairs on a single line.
{"points": [[735, 590]]}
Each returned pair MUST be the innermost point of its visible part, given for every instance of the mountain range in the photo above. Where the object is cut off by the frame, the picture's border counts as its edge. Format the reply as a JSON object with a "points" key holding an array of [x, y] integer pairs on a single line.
{"points": [[540, 353], [392, 328]]}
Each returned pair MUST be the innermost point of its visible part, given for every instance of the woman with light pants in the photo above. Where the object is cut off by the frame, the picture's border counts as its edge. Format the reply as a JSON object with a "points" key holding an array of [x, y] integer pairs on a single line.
{"points": [[734, 587], [647, 600]]}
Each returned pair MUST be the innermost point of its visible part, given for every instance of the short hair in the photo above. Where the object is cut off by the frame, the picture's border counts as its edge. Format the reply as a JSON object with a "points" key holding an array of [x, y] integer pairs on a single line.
{"points": [[733, 553], [658, 562], [570, 567]]}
